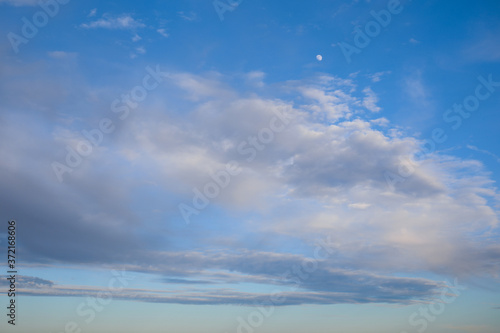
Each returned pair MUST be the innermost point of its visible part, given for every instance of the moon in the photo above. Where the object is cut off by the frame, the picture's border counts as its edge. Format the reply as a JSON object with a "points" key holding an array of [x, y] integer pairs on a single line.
{"points": [[319, 57]]}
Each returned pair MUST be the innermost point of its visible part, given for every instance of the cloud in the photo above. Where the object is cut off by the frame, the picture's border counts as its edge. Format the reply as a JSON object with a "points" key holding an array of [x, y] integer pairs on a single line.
{"points": [[136, 38], [330, 96], [483, 46], [360, 205], [338, 165], [322, 175], [185, 281], [163, 32], [219, 297], [255, 78], [370, 101], [418, 92], [416, 88], [191, 16], [378, 76], [496, 157], [125, 22], [325, 286], [26, 282], [20, 2], [62, 55]]}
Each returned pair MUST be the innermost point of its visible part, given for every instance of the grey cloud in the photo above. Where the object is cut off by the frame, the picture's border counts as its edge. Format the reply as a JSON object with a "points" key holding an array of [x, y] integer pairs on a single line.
{"points": [[363, 289], [279, 269], [26, 282], [185, 281], [231, 297]]}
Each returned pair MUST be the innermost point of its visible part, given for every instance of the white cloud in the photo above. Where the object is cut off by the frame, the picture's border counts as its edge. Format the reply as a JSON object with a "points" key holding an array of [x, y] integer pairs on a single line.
{"points": [[136, 38], [360, 205], [163, 32], [339, 165], [378, 76], [330, 97], [370, 100], [483, 47], [92, 13], [417, 90], [191, 16], [124, 21], [496, 157], [255, 78]]}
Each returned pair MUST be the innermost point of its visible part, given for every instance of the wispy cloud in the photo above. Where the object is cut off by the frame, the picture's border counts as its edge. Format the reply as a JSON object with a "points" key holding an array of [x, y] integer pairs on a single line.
{"points": [[378, 76], [416, 89], [496, 157], [125, 21], [62, 54], [191, 16], [328, 286], [163, 32], [370, 100], [136, 38], [483, 45]]}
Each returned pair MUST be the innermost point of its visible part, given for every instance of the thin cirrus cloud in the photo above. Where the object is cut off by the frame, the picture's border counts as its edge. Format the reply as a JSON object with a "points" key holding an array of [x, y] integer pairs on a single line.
{"points": [[163, 32], [124, 21]]}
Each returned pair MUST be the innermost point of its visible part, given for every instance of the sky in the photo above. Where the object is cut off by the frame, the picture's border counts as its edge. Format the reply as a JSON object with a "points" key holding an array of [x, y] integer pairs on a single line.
{"points": [[251, 166]]}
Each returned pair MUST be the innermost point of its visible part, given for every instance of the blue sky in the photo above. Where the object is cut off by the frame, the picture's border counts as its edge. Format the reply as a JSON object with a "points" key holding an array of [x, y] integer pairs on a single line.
{"points": [[252, 166]]}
